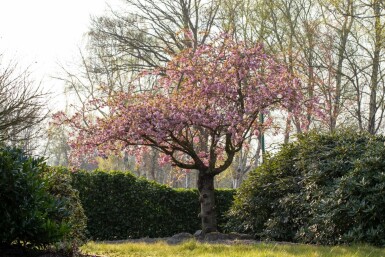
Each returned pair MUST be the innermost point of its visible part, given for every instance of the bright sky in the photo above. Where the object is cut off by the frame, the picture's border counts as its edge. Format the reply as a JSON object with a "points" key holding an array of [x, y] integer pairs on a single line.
{"points": [[43, 33]]}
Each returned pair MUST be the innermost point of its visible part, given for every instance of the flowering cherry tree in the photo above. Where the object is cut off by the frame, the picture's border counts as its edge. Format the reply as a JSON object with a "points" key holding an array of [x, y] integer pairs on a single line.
{"points": [[202, 108]]}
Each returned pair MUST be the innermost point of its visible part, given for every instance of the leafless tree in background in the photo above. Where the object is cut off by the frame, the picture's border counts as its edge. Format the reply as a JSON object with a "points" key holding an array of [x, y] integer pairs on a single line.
{"points": [[22, 107], [57, 147], [152, 31]]}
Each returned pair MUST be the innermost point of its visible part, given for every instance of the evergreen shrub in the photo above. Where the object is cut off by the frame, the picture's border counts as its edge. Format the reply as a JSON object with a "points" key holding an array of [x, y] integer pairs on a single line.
{"points": [[322, 189], [33, 211], [60, 186]]}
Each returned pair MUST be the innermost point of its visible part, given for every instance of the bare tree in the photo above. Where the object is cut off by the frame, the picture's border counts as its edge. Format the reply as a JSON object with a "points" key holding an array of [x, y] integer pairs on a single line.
{"points": [[151, 31], [57, 147], [374, 20], [146, 36], [313, 38], [22, 106], [365, 69]]}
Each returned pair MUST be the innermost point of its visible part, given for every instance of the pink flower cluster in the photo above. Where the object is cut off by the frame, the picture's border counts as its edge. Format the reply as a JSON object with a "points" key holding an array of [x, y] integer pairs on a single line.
{"points": [[199, 113]]}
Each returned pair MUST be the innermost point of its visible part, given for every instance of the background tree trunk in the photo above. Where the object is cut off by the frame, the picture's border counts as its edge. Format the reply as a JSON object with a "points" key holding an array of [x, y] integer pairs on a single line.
{"points": [[373, 104], [207, 201]]}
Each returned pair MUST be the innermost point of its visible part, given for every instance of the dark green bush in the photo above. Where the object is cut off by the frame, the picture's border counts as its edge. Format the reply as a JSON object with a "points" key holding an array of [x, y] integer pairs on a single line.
{"points": [[120, 206], [27, 210], [323, 188], [72, 214]]}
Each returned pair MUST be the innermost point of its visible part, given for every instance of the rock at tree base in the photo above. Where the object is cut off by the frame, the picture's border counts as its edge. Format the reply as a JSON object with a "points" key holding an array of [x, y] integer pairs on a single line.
{"points": [[182, 236], [216, 236], [198, 234]]}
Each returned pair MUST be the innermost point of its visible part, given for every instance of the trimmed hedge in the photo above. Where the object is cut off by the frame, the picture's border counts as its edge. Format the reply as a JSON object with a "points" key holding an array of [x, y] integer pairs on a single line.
{"points": [[321, 189], [119, 205]]}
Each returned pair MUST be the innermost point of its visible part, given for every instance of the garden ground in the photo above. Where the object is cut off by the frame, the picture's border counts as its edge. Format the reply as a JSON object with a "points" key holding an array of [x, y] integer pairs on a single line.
{"points": [[194, 248]]}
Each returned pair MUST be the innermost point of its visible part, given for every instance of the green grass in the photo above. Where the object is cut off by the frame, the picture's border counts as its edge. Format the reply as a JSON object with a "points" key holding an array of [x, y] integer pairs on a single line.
{"points": [[196, 249]]}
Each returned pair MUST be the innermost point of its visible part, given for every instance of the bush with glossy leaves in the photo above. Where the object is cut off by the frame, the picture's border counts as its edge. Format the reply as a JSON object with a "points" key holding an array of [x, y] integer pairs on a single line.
{"points": [[27, 208], [60, 186], [39, 208], [322, 188]]}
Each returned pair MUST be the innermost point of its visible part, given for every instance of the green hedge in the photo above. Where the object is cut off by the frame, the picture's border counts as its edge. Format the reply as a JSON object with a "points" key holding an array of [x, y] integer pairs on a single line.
{"points": [[119, 206], [321, 189]]}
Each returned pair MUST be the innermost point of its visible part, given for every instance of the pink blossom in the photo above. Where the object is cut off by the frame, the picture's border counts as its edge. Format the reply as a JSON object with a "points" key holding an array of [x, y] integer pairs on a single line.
{"points": [[202, 111]]}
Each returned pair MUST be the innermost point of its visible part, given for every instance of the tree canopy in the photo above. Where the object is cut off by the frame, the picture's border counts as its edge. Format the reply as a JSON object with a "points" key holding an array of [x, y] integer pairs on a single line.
{"points": [[203, 104], [202, 107]]}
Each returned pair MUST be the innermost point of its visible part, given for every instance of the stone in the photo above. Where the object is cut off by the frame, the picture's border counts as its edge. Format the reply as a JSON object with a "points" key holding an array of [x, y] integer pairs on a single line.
{"points": [[239, 236], [182, 236], [198, 234], [214, 236], [178, 238]]}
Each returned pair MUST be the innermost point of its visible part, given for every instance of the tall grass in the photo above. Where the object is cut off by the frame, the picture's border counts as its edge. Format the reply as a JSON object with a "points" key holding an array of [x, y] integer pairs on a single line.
{"points": [[195, 249]]}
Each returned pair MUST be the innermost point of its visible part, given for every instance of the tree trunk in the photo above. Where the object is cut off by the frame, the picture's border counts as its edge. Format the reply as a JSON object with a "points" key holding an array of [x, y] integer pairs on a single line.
{"points": [[287, 130], [207, 201], [375, 68]]}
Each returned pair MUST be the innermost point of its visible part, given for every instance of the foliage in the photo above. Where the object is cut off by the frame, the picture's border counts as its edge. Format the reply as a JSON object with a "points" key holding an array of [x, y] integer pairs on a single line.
{"points": [[27, 211], [120, 206], [257, 198], [324, 189], [198, 113], [197, 249], [59, 185], [39, 207]]}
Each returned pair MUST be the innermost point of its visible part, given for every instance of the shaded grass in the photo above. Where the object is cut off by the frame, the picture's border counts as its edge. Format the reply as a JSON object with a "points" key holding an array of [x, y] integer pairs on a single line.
{"points": [[195, 249]]}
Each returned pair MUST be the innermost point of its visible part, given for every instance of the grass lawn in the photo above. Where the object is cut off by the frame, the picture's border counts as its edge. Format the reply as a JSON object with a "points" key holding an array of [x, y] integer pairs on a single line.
{"points": [[196, 249]]}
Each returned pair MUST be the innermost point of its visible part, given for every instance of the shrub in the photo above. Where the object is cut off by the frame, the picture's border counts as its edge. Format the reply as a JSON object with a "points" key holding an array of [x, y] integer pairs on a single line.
{"points": [[27, 210], [39, 208], [72, 214], [323, 188], [119, 206]]}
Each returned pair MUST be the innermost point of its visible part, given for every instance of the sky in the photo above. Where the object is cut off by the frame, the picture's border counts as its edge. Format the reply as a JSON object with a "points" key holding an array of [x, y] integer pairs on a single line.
{"points": [[42, 34]]}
